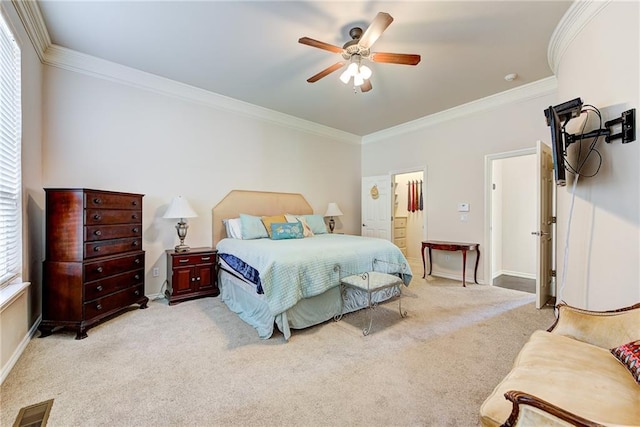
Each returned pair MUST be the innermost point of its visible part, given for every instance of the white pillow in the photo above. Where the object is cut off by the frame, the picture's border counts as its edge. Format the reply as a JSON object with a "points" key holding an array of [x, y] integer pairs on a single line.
{"points": [[233, 227], [306, 230]]}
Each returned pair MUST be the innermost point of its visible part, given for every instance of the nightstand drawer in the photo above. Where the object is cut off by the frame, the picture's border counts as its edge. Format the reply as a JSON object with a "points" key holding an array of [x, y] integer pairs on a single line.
{"points": [[400, 232], [400, 222], [401, 243], [181, 260]]}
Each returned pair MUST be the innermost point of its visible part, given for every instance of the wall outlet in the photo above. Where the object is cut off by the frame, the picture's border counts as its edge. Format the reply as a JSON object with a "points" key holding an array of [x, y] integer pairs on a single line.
{"points": [[155, 272]]}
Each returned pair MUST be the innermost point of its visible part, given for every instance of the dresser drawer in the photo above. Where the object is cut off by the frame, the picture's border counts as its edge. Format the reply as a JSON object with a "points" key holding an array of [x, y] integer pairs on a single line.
{"points": [[400, 222], [400, 232], [113, 302], [107, 267], [103, 216], [100, 288], [401, 243], [107, 232], [98, 199], [110, 247], [208, 258]]}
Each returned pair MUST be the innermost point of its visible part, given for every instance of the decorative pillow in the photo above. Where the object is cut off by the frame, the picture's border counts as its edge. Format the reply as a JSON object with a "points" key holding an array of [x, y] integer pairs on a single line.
{"points": [[233, 226], [286, 230], [252, 227], [268, 220], [629, 355], [306, 230], [316, 222]]}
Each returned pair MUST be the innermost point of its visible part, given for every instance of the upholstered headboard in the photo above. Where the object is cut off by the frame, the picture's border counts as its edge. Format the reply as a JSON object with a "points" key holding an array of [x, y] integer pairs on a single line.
{"points": [[256, 203]]}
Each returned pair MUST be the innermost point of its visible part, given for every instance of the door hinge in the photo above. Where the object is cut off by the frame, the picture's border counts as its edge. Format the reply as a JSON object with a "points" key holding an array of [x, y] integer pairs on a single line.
{"points": [[554, 220], [552, 273]]}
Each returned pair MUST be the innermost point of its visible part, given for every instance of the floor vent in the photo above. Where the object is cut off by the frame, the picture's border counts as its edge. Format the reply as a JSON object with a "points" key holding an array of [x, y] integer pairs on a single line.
{"points": [[34, 415]]}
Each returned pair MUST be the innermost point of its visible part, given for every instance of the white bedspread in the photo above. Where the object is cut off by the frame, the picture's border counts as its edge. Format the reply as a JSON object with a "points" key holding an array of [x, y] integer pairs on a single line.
{"points": [[291, 270]]}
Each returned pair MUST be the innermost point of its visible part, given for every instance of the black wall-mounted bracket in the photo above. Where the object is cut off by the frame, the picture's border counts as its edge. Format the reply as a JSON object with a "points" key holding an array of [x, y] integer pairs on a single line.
{"points": [[628, 130], [628, 127]]}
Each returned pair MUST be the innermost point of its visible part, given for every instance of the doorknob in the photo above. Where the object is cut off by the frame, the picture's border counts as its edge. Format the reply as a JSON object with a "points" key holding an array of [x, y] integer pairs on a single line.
{"points": [[539, 233]]}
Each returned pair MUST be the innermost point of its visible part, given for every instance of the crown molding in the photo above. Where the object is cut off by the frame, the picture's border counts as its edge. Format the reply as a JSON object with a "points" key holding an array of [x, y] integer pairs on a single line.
{"points": [[574, 20], [533, 90], [31, 17]]}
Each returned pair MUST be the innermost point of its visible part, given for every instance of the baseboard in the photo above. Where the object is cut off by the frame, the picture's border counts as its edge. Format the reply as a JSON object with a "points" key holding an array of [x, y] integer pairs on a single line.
{"points": [[19, 350], [456, 277]]}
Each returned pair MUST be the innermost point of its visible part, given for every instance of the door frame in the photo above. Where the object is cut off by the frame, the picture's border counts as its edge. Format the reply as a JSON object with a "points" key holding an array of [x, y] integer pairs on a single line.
{"points": [[488, 213]]}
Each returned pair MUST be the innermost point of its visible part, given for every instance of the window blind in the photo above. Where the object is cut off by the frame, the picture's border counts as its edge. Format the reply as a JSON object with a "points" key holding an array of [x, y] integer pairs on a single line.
{"points": [[10, 163]]}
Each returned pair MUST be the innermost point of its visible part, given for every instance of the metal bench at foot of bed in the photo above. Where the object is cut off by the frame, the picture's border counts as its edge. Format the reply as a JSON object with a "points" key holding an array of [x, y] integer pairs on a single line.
{"points": [[372, 282]]}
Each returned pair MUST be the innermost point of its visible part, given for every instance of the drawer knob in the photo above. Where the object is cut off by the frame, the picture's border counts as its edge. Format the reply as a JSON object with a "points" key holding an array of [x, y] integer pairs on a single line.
{"points": [[137, 277], [134, 216], [99, 269], [97, 201], [137, 261], [198, 278], [137, 292], [98, 233], [136, 230], [99, 288], [135, 243], [97, 217], [193, 279], [134, 203], [96, 249], [99, 306]]}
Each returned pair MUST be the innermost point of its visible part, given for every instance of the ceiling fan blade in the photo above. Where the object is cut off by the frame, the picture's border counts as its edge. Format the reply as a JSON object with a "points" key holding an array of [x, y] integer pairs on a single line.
{"points": [[375, 30], [395, 58], [366, 86], [325, 72], [320, 45]]}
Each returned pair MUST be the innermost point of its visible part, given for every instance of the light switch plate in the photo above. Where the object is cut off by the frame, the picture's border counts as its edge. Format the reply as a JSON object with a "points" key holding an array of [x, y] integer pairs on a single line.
{"points": [[463, 207]]}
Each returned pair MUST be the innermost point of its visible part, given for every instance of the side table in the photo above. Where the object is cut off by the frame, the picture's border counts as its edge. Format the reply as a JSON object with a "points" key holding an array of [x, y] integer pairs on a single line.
{"points": [[452, 246]]}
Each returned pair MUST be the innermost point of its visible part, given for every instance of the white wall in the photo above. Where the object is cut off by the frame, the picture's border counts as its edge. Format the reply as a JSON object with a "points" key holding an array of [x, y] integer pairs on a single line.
{"points": [[18, 319], [600, 65], [105, 135], [454, 152]]}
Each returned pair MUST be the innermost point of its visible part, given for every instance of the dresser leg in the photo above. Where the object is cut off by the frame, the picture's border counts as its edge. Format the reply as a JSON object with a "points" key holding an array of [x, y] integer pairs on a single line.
{"points": [[143, 303], [81, 334], [45, 331]]}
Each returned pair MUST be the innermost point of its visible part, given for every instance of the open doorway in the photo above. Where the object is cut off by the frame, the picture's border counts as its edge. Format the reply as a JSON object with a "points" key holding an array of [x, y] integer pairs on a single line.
{"points": [[409, 211], [512, 197]]}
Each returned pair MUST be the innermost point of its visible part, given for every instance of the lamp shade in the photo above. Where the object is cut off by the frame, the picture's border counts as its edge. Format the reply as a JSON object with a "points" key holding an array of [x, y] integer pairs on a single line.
{"points": [[179, 208], [333, 210]]}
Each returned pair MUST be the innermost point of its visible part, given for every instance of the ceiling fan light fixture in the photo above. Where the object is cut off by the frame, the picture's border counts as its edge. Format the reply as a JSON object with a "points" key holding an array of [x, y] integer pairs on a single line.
{"points": [[358, 80], [365, 72], [345, 76]]}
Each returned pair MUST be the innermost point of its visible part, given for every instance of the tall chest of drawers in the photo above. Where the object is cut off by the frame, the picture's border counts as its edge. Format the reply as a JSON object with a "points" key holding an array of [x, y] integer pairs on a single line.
{"points": [[94, 265]]}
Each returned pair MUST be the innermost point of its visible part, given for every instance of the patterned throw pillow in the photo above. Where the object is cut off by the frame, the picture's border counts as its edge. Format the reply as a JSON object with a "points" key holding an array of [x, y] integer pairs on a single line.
{"points": [[268, 220], [286, 230], [629, 355], [306, 230]]}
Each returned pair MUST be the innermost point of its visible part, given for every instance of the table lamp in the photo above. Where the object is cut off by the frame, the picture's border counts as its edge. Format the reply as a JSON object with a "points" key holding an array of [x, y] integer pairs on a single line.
{"points": [[179, 208], [332, 210]]}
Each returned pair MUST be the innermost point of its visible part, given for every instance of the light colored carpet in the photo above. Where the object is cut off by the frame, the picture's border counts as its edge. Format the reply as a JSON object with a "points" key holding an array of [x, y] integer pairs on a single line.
{"points": [[198, 364]]}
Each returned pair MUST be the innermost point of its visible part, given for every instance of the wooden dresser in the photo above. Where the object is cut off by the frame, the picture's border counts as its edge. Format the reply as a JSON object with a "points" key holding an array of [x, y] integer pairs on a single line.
{"points": [[400, 233], [94, 265]]}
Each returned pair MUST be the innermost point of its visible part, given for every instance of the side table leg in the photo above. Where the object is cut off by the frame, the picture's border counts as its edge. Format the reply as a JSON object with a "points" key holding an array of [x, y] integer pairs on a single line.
{"points": [[424, 269], [464, 267], [430, 259], [475, 272]]}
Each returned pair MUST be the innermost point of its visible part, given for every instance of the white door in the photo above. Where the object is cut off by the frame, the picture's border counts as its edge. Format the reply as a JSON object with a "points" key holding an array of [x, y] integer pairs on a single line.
{"points": [[376, 206], [544, 218]]}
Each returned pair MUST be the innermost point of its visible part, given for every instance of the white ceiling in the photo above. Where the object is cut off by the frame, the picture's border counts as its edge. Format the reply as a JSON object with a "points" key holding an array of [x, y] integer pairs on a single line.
{"points": [[249, 50]]}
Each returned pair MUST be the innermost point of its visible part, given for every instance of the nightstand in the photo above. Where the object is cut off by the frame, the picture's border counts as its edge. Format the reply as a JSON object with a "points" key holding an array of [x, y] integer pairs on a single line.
{"points": [[191, 274]]}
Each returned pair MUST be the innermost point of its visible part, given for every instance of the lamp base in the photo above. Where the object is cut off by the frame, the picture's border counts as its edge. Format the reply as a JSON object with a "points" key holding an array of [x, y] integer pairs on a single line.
{"points": [[332, 225], [182, 248]]}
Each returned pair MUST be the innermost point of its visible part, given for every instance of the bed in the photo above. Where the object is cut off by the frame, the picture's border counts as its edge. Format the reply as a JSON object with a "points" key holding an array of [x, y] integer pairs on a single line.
{"points": [[293, 283]]}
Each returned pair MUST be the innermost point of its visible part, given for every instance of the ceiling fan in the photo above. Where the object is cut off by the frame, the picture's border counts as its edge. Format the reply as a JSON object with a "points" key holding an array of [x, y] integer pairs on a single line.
{"points": [[357, 49]]}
